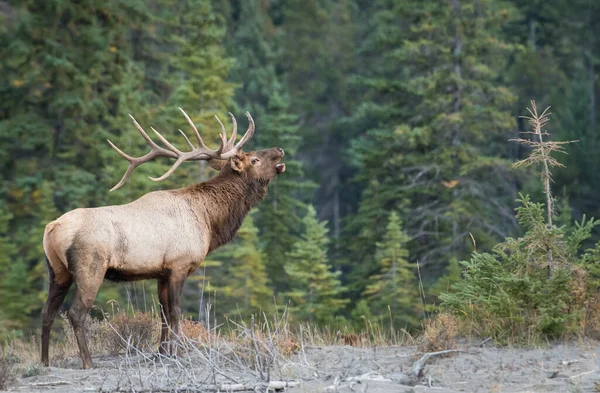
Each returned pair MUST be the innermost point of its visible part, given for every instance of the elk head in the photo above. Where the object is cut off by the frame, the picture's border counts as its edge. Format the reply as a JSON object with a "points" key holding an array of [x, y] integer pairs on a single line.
{"points": [[229, 157]]}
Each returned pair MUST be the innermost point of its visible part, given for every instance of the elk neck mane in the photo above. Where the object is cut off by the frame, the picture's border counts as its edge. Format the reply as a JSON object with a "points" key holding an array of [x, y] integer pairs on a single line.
{"points": [[226, 200]]}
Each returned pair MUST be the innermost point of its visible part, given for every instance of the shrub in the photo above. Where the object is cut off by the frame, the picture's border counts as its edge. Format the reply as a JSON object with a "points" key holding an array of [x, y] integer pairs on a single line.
{"points": [[507, 294], [193, 330], [440, 332], [139, 330], [115, 332], [538, 285], [7, 372]]}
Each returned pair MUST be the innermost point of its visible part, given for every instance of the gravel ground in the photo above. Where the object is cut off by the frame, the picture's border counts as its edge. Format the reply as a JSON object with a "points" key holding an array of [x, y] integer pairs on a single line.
{"points": [[567, 367]]}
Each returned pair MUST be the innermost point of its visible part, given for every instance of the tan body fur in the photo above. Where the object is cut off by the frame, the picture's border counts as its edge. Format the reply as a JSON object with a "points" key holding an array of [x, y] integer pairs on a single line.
{"points": [[144, 238]]}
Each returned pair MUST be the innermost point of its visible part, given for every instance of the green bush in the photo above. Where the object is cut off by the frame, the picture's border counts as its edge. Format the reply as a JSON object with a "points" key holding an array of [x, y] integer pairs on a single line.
{"points": [[530, 288]]}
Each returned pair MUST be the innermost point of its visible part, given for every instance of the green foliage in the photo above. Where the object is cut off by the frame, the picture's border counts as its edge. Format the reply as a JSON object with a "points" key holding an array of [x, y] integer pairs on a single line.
{"points": [[508, 295], [72, 73], [535, 286], [380, 105], [262, 93], [316, 290], [437, 117], [244, 288], [11, 279], [67, 71], [392, 292]]}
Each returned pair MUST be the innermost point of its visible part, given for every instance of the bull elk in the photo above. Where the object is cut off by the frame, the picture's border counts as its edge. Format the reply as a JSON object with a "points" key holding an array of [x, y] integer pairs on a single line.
{"points": [[164, 235]]}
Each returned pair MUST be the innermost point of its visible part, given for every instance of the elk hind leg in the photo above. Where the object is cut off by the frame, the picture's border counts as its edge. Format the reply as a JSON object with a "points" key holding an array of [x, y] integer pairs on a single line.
{"points": [[88, 276], [56, 296]]}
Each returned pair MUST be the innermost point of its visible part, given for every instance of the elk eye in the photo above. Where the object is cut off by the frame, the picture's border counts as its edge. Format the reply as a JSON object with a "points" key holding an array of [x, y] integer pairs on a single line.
{"points": [[254, 161]]}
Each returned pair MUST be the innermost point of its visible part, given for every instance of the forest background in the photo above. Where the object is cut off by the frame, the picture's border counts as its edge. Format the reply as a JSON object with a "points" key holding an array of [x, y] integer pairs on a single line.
{"points": [[395, 116]]}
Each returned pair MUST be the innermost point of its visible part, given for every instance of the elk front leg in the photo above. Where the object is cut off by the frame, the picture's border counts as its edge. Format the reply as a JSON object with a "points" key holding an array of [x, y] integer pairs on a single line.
{"points": [[163, 299], [175, 287]]}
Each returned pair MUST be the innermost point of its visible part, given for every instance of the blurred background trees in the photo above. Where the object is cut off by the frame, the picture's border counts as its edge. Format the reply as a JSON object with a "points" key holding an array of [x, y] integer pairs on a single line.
{"points": [[395, 117]]}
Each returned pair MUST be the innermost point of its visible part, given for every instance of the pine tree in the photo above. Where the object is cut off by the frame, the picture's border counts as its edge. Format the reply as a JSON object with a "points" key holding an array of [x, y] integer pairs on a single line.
{"points": [[261, 92], [73, 72], [181, 48], [68, 75], [243, 289], [392, 291], [12, 276], [316, 290], [318, 39], [437, 123]]}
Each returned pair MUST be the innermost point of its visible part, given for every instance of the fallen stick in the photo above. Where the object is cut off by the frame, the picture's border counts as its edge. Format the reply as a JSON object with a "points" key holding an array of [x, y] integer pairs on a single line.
{"points": [[237, 387], [582, 374], [400, 378], [370, 376], [419, 365], [54, 383]]}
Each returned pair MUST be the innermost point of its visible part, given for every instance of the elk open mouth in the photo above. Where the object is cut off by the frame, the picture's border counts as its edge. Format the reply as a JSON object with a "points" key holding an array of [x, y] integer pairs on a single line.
{"points": [[280, 168]]}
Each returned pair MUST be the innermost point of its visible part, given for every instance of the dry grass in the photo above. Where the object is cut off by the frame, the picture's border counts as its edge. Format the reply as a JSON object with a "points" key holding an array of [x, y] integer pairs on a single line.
{"points": [[591, 323], [193, 330], [440, 333], [7, 372], [355, 340], [262, 349], [140, 330]]}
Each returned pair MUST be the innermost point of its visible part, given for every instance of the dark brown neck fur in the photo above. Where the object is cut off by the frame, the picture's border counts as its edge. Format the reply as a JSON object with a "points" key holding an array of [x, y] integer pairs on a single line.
{"points": [[224, 201]]}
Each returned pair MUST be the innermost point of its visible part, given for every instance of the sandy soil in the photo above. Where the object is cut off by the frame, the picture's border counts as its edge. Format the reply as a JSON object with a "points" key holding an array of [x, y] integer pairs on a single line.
{"points": [[572, 367]]}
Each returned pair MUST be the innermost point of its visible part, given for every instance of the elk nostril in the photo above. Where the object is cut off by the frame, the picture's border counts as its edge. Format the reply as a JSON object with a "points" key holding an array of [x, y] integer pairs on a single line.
{"points": [[280, 150]]}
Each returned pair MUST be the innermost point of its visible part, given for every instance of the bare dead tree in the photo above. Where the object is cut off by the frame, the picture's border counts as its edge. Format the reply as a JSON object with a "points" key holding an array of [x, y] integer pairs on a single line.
{"points": [[541, 153]]}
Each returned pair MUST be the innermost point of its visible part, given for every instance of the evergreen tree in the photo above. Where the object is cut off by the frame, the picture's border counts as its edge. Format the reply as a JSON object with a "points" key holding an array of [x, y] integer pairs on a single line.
{"points": [[316, 290], [12, 276], [243, 289], [261, 92], [392, 291], [438, 120], [73, 72], [68, 80], [181, 48], [317, 59]]}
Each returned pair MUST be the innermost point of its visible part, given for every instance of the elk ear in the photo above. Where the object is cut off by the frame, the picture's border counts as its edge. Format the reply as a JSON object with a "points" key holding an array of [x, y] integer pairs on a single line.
{"points": [[216, 164], [237, 164]]}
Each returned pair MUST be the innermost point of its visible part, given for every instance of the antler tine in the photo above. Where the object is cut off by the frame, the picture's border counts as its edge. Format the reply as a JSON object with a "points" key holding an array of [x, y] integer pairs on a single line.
{"points": [[171, 170], [202, 149], [247, 136], [167, 143], [234, 131], [249, 132], [223, 133], [191, 123], [130, 167], [148, 140], [128, 172], [187, 140]]}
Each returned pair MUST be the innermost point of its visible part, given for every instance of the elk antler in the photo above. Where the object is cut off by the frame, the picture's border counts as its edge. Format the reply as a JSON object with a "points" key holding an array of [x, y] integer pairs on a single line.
{"points": [[227, 149]]}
